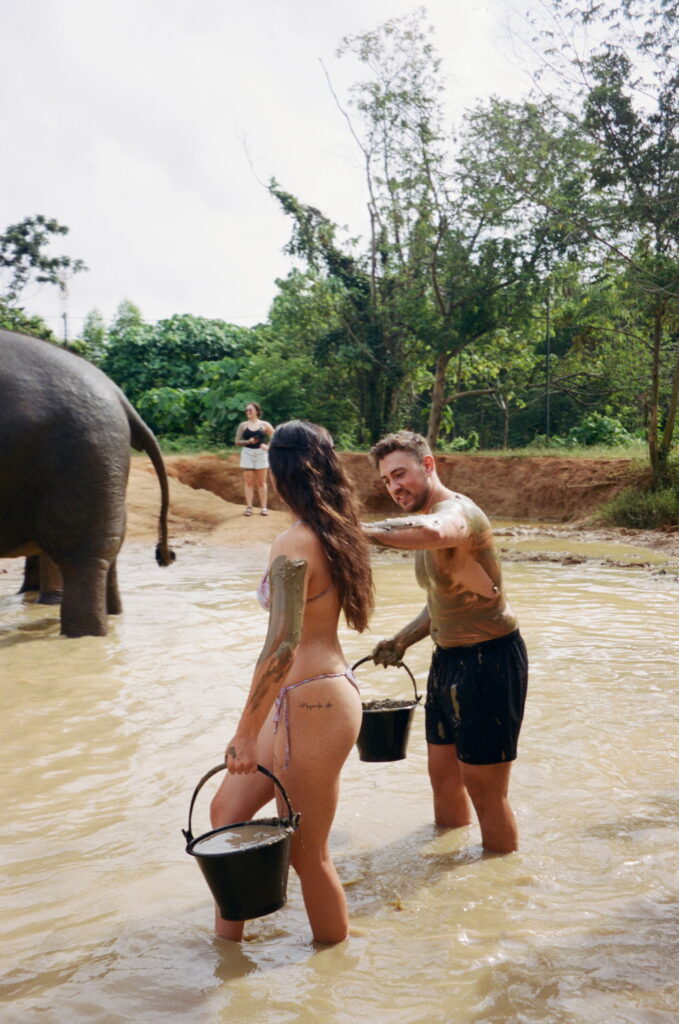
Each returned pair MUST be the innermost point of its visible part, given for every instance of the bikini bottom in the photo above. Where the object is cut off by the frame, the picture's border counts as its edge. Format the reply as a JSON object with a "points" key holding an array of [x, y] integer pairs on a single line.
{"points": [[282, 704]]}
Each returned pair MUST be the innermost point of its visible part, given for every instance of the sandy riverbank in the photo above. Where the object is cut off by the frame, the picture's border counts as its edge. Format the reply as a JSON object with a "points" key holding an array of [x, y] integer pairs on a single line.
{"points": [[207, 503]]}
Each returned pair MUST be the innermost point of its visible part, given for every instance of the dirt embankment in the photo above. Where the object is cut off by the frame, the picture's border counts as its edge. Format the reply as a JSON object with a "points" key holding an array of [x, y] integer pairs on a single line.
{"points": [[207, 502], [555, 489]]}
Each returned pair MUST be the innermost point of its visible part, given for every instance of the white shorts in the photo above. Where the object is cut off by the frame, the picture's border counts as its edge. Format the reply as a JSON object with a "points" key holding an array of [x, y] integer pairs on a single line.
{"points": [[254, 458]]}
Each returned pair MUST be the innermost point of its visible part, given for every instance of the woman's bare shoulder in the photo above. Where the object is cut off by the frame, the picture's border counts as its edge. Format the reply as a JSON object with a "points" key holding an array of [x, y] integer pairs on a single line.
{"points": [[298, 541]]}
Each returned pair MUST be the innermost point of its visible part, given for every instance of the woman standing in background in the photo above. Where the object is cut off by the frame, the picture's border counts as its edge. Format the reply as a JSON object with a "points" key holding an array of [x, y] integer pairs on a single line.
{"points": [[252, 437]]}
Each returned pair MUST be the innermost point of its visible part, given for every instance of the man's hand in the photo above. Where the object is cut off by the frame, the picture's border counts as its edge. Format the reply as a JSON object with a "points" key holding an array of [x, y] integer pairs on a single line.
{"points": [[389, 652]]}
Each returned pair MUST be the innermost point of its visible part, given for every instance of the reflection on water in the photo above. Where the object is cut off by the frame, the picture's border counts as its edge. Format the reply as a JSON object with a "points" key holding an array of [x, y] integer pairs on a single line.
{"points": [[106, 919]]}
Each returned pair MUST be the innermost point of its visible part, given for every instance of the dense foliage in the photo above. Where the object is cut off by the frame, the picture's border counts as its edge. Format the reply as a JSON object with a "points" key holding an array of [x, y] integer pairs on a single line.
{"points": [[518, 281]]}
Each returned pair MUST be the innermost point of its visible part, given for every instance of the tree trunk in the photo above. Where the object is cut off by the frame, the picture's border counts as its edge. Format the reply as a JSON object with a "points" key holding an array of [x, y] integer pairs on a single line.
{"points": [[504, 405], [437, 398], [670, 422], [653, 449]]}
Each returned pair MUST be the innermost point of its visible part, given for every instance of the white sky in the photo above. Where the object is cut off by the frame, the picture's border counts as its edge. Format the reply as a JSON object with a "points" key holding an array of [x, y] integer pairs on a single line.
{"points": [[126, 120]]}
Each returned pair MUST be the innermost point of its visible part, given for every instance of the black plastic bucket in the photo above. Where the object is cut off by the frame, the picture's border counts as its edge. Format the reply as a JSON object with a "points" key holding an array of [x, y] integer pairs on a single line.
{"points": [[385, 726], [245, 864]]}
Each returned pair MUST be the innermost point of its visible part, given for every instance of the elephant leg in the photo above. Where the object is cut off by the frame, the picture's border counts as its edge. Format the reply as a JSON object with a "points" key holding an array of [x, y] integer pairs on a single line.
{"points": [[31, 574], [83, 608], [51, 585], [114, 605]]}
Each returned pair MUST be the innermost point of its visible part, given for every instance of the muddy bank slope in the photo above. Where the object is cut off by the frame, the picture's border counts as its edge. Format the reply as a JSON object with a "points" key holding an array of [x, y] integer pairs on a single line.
{"points": [[206, 501], [553, 488]]}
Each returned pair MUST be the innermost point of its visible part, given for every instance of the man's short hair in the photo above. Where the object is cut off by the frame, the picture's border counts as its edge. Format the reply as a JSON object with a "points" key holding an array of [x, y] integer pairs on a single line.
{"points": [[403, 441]]}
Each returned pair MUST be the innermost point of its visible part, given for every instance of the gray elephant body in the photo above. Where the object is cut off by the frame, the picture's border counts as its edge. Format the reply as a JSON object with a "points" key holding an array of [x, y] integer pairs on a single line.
{"points": [[65, 435]]}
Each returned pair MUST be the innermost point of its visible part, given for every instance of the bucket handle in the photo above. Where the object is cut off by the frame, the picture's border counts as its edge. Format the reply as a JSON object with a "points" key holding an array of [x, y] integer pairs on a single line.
{"points": [[291, 821], [399, 664]]}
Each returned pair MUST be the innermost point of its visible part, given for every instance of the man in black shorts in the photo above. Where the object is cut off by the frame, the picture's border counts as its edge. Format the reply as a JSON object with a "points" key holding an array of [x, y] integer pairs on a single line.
{"points": [[479, 672]]}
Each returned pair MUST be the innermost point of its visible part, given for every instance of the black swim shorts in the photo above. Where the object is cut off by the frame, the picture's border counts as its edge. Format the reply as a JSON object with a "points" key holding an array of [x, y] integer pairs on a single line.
{"points": [[475, 698]]}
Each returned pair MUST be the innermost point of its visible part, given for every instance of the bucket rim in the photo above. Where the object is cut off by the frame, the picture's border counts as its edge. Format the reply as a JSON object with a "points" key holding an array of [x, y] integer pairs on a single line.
{"points": [[399, 705], [398, 664], [282, 826], [291, 822]]}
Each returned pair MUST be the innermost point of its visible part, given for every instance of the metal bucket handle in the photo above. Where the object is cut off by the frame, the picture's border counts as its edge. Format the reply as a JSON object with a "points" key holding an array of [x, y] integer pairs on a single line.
{"points": [[398, 664], [291, 821]]}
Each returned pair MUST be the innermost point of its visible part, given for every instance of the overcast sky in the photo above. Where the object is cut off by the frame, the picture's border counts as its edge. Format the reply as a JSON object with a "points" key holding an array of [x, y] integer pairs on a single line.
{"points": [[138, 124]]}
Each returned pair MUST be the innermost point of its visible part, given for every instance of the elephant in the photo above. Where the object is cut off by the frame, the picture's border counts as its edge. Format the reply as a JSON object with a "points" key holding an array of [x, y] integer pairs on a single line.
{"points": [[65, 436]]}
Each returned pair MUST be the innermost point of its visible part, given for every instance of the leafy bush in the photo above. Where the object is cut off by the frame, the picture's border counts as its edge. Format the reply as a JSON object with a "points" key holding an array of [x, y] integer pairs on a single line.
{"points": [[172, 410], [597, 429], [594, 430], [542, 441], [643, 510], [224, 398], [470, 443], [182, 444], [141, 358]]}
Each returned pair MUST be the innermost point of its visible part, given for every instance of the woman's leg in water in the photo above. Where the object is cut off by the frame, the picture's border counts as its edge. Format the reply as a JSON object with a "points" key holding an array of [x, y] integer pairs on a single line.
{"points": [[238, 799], [325, 718]]}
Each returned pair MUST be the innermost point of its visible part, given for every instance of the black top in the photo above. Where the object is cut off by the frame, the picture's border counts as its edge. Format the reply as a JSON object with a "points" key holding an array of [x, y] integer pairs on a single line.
{"points": [[260, 434]]}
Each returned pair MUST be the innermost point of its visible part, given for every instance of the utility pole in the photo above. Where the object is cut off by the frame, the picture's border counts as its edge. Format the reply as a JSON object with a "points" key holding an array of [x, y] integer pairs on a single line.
{"points": [[63, 295], [548, 379]]}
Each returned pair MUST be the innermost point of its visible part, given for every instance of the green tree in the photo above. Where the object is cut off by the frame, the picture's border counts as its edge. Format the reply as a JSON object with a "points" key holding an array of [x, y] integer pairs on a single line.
{"points": [[286, 368], [127, 353], [358, 334], [141, 357], [628, 91], [13, 318], [300, 368], [94, 336], [454, 248], [24, 256]]}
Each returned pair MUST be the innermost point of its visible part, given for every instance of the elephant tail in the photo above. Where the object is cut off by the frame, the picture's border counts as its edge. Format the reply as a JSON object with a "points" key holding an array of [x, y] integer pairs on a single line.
{"points": [[143, 440]]}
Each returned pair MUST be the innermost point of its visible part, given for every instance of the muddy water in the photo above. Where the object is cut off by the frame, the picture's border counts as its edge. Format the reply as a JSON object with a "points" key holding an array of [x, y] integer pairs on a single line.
{"points": [[104, 918]]}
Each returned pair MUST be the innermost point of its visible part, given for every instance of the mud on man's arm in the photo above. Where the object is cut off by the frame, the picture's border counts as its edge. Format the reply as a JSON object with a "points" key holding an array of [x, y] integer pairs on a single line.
{"points": [[287, 582], [443, 528]]}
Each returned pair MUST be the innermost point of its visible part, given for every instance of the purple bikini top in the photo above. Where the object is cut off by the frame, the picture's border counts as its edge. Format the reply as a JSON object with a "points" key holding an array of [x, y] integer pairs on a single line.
{"points": [[264, 592]]}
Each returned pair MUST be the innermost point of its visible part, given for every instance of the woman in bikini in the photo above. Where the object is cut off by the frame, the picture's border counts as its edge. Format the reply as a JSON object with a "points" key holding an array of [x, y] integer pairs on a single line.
{"points": [[303, 711], [252, 438]]}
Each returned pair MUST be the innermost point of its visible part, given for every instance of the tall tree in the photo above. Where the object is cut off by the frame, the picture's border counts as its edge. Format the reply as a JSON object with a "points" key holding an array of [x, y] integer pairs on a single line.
{"points": [[24, 256], [452, 252], [94, 335], [628, 89]]}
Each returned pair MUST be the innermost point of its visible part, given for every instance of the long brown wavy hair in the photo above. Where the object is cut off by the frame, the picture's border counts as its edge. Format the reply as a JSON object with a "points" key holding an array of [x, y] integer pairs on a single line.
{"points": [[312, 482]]}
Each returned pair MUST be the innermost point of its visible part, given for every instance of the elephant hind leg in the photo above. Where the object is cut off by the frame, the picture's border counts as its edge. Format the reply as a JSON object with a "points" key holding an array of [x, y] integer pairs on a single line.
{"points": [[114, 605], [51, 583], [83, 608], [31, 580], [43, 575]]}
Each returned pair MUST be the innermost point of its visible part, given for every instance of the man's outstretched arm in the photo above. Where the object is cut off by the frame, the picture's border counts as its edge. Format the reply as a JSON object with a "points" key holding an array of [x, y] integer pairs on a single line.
{"points": [[442, 529]]}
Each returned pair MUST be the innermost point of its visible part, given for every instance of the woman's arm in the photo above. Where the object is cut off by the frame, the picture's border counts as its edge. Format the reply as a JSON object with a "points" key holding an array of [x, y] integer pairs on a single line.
{"points": [[268, 430], [287, 580], [239, 433]]}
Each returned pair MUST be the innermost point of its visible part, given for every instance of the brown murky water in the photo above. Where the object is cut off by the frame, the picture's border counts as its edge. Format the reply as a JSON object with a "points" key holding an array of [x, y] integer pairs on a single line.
{"points": [[105, 919]]}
